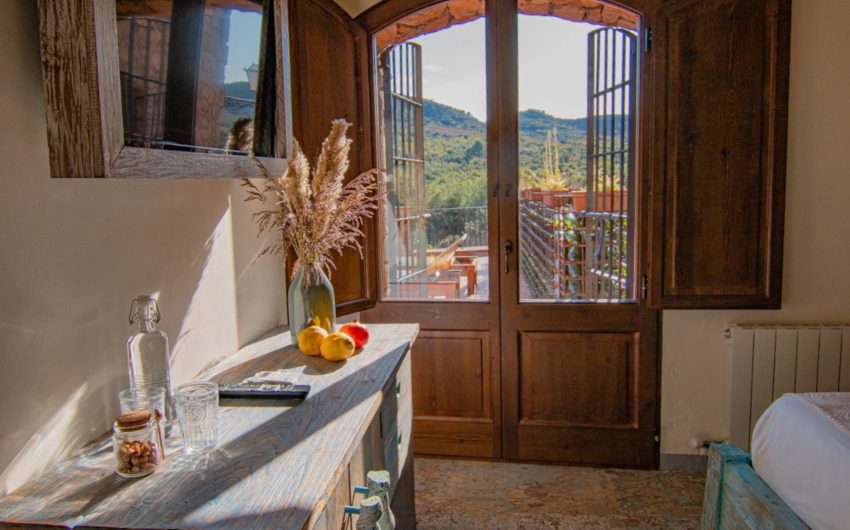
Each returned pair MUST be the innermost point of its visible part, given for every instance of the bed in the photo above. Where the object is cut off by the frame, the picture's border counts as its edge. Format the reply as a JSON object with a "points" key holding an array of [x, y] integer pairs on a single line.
{"points": [[798, 475]]}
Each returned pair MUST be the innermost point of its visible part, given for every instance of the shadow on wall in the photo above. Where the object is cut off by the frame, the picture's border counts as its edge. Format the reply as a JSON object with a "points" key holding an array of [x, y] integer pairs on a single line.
{"points": [[75, 252]]}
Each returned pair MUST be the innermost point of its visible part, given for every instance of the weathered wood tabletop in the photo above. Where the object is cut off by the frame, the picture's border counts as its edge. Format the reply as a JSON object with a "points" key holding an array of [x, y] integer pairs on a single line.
{"points": [[274, 467]]}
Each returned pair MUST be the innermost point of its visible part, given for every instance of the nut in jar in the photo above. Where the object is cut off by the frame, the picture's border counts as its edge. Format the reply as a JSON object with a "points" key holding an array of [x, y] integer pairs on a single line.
{"points": [[135, 444]]}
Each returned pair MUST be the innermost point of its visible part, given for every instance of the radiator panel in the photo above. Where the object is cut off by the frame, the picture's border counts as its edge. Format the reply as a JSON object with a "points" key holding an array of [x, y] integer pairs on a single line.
{"points": [[766, 362]]}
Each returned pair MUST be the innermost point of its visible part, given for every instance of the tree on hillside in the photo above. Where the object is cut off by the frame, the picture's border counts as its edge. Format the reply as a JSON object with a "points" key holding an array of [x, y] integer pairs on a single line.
{"points": [[550, 177]]}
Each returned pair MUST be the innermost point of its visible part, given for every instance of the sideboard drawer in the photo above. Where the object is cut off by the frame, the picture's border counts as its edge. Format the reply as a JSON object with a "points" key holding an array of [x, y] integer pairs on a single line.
{"points": [[397, 420], [385, 445], [398, 397]]}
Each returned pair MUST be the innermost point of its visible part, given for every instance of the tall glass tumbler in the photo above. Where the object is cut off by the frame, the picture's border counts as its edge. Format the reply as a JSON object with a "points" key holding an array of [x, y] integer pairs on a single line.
{"points": [[151, 398], [197, 412]]}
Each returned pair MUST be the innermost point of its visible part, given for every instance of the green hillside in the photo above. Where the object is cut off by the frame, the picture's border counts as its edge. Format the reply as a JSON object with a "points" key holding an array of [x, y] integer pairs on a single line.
{"points": [[455, 153]]}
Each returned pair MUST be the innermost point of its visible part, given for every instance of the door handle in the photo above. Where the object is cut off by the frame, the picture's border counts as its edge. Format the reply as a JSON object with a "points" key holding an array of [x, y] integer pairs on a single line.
{"points": [[509, 248]]}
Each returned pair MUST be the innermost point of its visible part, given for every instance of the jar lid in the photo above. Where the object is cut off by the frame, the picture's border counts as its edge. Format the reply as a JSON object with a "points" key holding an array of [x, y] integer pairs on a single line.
{"points": [[135, 420]]}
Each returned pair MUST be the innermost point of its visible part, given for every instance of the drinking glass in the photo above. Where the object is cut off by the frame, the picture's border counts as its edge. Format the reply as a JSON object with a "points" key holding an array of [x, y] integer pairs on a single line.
{"points": [[151, 398], [197, 412]]}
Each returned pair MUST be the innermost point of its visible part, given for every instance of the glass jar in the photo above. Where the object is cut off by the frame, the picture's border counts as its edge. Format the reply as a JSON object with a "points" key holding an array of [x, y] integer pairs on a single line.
{"points": [[136, 444]]}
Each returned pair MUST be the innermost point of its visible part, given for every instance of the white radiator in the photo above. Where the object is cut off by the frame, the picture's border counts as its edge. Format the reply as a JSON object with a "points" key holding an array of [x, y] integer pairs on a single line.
{"points": [[767, 361]]}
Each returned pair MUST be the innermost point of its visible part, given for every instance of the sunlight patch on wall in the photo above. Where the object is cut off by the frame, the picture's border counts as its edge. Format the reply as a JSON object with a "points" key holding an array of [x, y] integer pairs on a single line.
{"points": [[209, 325]]}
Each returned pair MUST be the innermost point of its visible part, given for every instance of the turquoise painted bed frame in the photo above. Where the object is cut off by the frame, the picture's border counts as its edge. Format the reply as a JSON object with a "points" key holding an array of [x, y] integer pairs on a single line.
{"points": [[736, 497]]}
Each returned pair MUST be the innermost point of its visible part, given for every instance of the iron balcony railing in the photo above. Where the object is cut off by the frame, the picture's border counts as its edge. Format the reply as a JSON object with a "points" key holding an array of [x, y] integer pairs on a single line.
{"points": [[565, 254], [571, 255], [446, 225]]}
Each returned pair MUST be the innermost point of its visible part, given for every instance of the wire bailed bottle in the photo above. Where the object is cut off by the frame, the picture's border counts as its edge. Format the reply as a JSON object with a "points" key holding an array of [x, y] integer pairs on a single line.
{"points": [[378, 485], [370, 515], [147, 352]]}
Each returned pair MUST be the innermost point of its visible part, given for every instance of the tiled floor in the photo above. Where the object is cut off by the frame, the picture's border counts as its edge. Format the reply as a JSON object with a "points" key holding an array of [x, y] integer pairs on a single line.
{"points": [[461, 494]]}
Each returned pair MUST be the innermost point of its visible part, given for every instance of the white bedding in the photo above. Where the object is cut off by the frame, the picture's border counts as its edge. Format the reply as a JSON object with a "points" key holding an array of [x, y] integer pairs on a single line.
{"points": [[801, 448]]}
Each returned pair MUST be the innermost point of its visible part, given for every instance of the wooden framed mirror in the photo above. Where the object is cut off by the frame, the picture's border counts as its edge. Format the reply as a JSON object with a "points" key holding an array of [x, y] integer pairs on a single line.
{"points": [[156, 88]]}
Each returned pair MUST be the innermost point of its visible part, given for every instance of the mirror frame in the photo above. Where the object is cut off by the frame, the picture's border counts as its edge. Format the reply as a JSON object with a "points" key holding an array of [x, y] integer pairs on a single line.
{"points": [[82, 90]]}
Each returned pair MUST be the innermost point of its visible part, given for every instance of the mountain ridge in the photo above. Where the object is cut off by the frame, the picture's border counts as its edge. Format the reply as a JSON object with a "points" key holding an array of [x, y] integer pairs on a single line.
{"points": [[532, 122]]}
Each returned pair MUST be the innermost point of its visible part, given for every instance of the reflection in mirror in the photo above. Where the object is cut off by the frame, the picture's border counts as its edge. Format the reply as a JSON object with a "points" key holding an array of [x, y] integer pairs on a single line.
{"points": [[189, 72]]}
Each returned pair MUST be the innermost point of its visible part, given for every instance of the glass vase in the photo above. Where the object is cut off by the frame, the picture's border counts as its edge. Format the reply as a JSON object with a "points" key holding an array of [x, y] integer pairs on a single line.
{"points": [[311, 297]]}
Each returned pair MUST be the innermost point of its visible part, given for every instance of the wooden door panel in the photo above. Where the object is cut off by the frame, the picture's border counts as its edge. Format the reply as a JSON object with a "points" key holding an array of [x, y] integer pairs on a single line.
{"points": [[705, 91], [455, 394], [330, 81], [722, 108], [581, 399], [577, 379], [452, 375], [613, 446]]}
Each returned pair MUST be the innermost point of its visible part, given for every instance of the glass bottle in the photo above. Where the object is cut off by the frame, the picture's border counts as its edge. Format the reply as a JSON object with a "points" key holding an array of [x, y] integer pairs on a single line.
{"points": [[147, 353], [311, 296], [378, 485], [371, 516]]}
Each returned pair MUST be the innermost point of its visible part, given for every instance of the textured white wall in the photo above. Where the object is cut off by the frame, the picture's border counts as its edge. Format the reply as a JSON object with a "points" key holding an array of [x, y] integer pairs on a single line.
{"points": [[355, 7], [72, 255]]}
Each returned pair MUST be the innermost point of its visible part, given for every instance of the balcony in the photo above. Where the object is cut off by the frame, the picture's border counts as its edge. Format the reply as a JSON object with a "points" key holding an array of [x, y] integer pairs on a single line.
{"points": [[567, 253]]}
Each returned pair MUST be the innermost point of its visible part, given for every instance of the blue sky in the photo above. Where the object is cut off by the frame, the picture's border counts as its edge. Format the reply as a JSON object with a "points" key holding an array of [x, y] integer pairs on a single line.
{"points": [[552, 66], [243, 45], [552, 63]]}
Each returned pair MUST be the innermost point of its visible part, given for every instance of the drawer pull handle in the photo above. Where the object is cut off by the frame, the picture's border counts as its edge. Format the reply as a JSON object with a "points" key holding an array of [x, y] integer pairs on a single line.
{"points": [[398, 388], [398, 439], [363, 490], [353, 510]]}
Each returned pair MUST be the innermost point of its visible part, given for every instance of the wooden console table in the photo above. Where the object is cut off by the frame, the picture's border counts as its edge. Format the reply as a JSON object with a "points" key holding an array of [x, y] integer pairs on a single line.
{"points": [[282, 467]]}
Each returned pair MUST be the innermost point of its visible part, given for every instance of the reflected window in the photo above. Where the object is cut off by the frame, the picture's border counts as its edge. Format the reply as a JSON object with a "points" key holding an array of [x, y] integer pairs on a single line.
{"points": [[189, 73]]}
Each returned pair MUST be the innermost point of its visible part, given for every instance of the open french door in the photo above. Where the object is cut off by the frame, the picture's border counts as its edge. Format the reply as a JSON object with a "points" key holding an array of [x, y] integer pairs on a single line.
{"points": [[552, 356], [579, 360], [438, 271]]}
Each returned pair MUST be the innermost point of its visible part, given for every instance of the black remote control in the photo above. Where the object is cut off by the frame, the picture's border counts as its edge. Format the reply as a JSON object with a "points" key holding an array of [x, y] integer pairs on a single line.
{"points": [[264, 390]]}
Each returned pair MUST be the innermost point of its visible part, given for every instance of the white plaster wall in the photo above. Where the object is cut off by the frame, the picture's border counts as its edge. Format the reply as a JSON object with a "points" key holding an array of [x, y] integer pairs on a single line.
{"points": [[817, 224], [72, 255], [355, 7]]}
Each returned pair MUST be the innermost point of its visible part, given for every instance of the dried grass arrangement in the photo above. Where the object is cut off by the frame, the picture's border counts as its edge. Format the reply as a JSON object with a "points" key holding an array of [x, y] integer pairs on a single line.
{"points": [[316, 215]]}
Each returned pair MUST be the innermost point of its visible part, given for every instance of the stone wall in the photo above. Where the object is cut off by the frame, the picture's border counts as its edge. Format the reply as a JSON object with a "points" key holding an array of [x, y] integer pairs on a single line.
{"points": [[452, 12], [209, 99]]}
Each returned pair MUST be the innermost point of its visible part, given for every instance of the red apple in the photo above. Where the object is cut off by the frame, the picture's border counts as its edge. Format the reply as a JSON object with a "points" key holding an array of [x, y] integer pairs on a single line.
{"points": [[356, 331]]}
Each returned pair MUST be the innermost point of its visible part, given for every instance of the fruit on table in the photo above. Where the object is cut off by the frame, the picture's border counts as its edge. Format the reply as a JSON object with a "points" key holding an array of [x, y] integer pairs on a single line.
{"points": [[356, 331], [337, 347], [311, 338]]}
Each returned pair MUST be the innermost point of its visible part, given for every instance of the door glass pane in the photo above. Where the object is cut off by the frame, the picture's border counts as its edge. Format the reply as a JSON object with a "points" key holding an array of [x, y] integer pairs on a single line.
{"points": [[577, 90], [433, 123]]}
